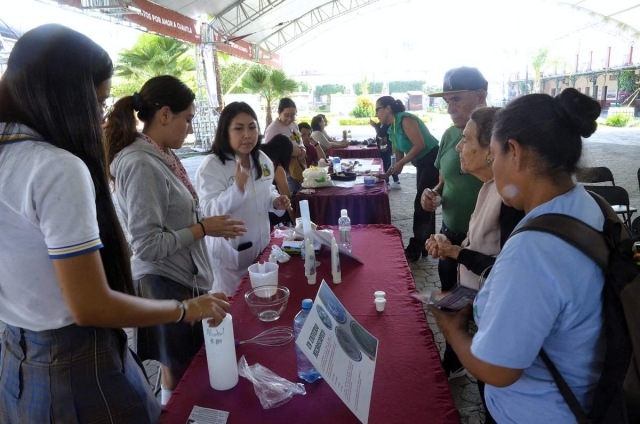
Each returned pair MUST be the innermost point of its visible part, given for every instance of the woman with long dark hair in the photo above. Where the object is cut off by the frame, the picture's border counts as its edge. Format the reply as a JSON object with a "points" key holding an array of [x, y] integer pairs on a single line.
{"points": [[66, 285], [279, 151], [161, 212], [236, 178]]}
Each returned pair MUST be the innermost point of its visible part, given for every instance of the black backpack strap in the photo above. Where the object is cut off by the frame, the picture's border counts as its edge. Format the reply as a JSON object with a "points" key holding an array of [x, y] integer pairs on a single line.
{"points": [[573, 231], [565, 390], [592, 243]]}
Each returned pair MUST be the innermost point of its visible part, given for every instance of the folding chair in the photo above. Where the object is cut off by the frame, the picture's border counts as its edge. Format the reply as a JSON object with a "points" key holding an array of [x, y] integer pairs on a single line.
{"points": [[599, 174], [635, 227], [618, 198]]}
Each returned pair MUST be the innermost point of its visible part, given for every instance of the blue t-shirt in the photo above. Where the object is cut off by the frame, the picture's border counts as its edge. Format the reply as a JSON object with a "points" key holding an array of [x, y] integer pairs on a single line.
{"points": [[543, 293]]}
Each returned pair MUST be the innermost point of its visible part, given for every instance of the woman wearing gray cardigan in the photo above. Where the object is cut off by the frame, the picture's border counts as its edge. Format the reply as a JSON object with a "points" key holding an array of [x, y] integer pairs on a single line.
{"points": [[161, 213]]}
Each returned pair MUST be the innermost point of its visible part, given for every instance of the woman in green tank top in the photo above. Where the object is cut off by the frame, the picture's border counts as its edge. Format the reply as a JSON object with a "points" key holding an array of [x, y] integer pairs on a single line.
{"points": [[412, 142]]}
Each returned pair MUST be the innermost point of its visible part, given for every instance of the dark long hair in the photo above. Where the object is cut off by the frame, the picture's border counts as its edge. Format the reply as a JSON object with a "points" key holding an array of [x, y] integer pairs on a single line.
{"points": [[49, 86], [315, 123], [156, 93], [551, 127], [221, 146], [279, 150], [396, 105]]}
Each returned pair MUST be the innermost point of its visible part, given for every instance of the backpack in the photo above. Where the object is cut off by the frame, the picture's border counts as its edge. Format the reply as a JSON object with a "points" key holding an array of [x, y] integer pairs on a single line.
{"points": [[617, 395]]}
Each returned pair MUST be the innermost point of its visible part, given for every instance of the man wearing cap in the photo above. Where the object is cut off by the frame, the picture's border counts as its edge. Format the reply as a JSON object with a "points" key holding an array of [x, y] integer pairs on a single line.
{"points": [[463, 90]]}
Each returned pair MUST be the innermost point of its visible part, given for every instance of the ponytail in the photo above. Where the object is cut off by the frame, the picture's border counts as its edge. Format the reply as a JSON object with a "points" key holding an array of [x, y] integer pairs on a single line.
{"points": [[120, 130]]}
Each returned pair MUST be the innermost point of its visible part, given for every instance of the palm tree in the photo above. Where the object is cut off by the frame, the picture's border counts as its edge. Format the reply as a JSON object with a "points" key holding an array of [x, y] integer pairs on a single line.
{"points": [[153, 55], [538, 64], [268, 83]]}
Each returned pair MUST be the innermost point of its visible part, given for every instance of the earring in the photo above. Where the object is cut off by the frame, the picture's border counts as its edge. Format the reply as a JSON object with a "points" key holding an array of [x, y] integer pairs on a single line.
{"points": [[487, 160]]}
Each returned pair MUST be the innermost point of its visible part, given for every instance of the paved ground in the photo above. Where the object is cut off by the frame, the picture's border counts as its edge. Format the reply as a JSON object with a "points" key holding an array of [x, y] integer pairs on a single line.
{"points": [[618, 149]]}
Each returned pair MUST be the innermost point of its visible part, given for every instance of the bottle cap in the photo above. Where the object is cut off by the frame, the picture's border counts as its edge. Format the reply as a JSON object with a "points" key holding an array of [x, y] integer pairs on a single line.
{"points": [[307, 304], [379, 294], [343, 212]]}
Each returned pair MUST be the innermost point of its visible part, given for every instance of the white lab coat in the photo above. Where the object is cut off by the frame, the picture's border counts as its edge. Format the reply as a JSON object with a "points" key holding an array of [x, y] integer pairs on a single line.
{"points": [[219, 195]]}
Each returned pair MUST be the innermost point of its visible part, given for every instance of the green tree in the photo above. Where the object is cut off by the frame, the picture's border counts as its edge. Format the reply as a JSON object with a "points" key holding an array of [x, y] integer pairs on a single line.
{"points": [[329, 89], [375, 87], [153, 55], [270, 84], [539, 63], [304, 87], [404, 86], [232, 70], [628, 83]]}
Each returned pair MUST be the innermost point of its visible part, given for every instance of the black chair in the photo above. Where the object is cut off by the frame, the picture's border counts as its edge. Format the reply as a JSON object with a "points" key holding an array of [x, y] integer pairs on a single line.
{"points": [[599, 174], [635, 227], [618, 198]]}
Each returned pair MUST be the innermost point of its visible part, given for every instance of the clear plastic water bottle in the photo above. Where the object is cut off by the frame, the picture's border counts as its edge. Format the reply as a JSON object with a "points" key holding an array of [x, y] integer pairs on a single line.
{"points": [[344, 226], [393, 159], [337, 166], [306, 371], [349, 136]]}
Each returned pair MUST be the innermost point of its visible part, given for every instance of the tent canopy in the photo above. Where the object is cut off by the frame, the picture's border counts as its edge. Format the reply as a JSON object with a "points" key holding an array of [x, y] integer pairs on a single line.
{"points": [[624, 14]]}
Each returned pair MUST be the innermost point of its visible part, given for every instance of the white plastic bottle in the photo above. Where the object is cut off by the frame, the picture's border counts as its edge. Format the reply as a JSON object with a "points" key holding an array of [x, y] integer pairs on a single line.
{"points": [[335, 262], [349, 136], [344, 226], [309, 261], [221, 354]]}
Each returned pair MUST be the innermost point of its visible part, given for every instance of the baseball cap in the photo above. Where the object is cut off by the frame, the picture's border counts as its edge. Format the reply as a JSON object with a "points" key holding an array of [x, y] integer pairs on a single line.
{"points": [[458, 80]]}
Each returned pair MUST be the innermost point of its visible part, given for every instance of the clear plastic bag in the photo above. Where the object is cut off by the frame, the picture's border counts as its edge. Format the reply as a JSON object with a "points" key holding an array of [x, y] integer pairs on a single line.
{"points": [[271, 389], [280, 255]]}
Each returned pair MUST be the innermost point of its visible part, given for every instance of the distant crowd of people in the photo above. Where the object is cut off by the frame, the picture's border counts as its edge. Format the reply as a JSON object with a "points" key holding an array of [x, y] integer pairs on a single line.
{"points": [[71, 280]]}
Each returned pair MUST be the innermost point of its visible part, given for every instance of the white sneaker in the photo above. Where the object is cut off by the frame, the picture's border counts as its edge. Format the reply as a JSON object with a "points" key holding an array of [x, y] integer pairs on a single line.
{"points": [[395, 185]]}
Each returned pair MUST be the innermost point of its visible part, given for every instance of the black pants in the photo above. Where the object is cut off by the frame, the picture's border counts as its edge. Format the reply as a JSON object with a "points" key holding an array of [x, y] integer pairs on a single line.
{"points": [[488, 419], [448, 268], [386, 162], [427, 176]]}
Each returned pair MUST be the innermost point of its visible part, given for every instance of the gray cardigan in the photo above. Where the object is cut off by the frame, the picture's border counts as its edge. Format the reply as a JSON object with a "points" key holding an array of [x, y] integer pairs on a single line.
{"points": [[157, 210]]}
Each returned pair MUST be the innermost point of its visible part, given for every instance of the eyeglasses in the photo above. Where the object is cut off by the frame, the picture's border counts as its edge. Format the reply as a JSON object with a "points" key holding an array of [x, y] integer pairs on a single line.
{"points": [[289, 115], [378, 108]]}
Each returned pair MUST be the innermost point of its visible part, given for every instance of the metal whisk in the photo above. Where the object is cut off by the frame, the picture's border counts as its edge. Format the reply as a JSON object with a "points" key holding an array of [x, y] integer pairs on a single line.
{"points": [[276, 336]]}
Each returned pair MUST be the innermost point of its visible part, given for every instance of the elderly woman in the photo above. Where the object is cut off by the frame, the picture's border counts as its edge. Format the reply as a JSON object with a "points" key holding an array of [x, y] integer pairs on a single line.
{"points": [[542, 292], [492, 221]]}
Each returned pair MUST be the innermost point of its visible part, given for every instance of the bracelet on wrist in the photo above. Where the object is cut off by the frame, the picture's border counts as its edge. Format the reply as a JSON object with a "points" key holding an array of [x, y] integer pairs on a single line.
{"points": [[204, 232], [183, 311]]}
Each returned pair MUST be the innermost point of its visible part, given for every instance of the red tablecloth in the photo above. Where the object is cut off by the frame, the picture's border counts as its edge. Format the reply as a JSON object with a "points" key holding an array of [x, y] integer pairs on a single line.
{"points": [[355, 152], [409, 385], [366, 204]]}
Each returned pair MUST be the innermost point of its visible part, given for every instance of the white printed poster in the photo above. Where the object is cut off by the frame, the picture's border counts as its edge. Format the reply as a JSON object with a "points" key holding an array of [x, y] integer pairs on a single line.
{"points": [[342, 351]]}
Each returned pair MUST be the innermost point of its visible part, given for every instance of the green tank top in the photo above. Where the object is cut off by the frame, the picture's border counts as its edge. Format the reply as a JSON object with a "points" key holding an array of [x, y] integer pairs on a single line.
{"points": [[400, 140]]}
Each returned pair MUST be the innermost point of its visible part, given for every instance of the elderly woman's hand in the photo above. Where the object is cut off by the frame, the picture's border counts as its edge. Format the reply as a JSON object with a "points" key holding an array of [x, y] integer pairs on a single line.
{"points": [[447, 250]]}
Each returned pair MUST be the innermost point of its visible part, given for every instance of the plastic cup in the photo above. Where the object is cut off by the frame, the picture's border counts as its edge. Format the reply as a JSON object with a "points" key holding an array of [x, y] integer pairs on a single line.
{"points": [[379, 294], [380, 303], [264, 274]]}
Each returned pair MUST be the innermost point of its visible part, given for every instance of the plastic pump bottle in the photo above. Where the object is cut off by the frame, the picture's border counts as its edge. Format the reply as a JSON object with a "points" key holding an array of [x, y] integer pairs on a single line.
{"points": [[344, 226], [306, 371]]}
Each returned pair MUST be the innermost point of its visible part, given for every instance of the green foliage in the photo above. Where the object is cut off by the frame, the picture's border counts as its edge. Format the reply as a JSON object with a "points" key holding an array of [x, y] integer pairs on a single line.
{"points": [[304, 86], [629, 82], [364, 108], [231, 70], [153, 55], [329, 89], [375, 87], [323, 107], [353, 121], [428, 89], [404, 86], [617, 121], [269, 83]]}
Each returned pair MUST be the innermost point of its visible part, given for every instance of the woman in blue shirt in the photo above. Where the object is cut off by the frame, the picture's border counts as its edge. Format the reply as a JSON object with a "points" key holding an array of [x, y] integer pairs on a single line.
{"points": [[412, 142], [542, 292]]}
